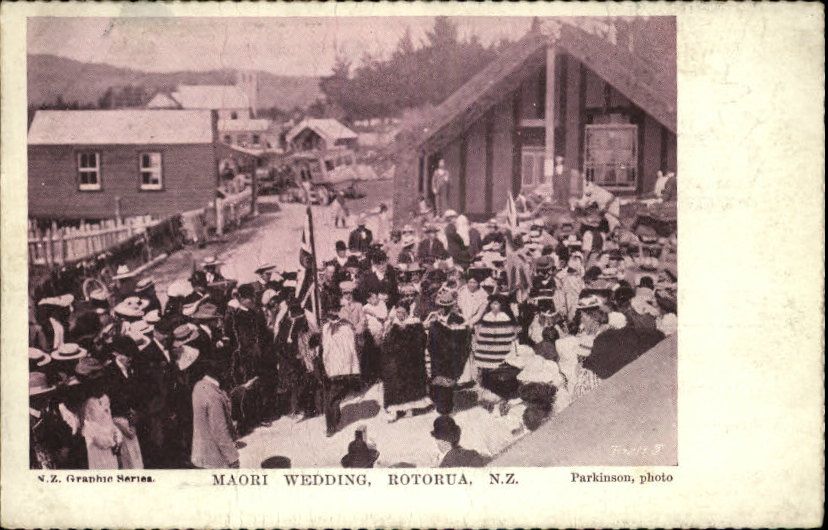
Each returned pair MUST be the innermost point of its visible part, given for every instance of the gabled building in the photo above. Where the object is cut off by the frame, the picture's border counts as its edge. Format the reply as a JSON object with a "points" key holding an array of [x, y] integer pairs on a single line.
{"points": [[245, 132], [90, 164], [320, 134], [606, 108]]}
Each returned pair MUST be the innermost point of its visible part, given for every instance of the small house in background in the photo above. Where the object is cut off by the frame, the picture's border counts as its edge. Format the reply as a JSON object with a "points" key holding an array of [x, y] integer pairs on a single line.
{"points": [[602, 100], [320, 134], [100, 164], [245, 132]]}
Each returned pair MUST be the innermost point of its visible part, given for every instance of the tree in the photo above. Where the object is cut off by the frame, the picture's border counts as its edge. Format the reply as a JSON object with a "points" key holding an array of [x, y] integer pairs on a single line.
{"points": [[411, 77]]}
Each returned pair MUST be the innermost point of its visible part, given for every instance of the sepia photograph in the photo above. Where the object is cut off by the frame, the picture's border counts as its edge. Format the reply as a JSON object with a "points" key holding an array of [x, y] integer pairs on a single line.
{"points": [[411, 265], [313, 243]]}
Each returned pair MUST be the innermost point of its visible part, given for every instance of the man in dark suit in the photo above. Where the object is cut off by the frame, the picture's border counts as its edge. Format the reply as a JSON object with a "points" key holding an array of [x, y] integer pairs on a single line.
{"points": [[380, 278], [614, 349], [154, 376], [431, 249], [447, 435], [361, 238]]}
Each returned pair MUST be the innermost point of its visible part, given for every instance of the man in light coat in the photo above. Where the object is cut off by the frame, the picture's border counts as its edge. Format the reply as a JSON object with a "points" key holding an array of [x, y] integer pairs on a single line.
{"points": [[213, 445], [341, 363]]}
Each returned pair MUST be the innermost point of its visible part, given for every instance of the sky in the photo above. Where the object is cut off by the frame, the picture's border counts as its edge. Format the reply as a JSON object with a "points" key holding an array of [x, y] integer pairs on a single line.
{"points": [[283, 45]]}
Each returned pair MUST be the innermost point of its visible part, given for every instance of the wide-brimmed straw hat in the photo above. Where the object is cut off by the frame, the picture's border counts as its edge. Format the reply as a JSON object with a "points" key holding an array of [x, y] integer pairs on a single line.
{"points": [[211, 261], [69, 352], [64, 300], [122, 272], [89, 368], [183, 334], [38, 384], [39, 357], [127, 310], [445, 298], [265, 268], [144, 283], [589, 302]]}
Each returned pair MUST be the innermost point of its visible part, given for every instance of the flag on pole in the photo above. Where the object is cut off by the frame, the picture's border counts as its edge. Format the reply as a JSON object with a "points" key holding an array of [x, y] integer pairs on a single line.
{"points": [[511, 212], [306, 293]]}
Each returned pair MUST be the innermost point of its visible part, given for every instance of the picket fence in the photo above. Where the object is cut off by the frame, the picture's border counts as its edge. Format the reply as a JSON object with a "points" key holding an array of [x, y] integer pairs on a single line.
{"points": [[57, 245]]}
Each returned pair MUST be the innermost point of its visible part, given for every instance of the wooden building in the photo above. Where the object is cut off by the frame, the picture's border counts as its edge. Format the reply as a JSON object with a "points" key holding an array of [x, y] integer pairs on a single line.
{"points": [[603, 105], [99, 164], [320, 134], [230, 101]]}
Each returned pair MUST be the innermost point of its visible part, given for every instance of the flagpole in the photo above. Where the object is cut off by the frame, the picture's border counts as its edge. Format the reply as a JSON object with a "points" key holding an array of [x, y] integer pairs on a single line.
{"points": [[313, 271]]}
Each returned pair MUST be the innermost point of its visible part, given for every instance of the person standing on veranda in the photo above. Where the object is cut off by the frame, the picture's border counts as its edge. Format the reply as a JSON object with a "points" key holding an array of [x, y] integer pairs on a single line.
{"points": [[440, 187]]}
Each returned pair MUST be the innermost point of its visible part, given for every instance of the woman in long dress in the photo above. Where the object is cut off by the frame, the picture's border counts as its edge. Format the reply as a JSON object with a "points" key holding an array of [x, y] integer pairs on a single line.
{"points": [[404, 379], [572, 350]]}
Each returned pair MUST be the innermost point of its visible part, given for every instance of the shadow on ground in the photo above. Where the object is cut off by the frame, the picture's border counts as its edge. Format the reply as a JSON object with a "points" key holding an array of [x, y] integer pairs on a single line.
{"points": [[354, 412]]}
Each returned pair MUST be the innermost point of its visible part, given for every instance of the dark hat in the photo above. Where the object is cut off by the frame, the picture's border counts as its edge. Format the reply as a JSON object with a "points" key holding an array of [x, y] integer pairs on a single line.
{"points": [[479, 273], [340, 245], [276, 462], [623, 295], [546, 305], [534, 416], [647, 282], [247, 291], [359, 455], [296, 310], [544, 263], [538, 393], [446, 429]]}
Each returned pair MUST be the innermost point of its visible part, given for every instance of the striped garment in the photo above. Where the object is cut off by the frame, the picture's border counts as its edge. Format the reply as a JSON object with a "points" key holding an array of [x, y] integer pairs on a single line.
{"points": [[493, 339]]}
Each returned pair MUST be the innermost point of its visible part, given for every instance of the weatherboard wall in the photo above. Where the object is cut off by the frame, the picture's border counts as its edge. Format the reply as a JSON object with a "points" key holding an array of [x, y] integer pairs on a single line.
{"points": [[189, 181]]}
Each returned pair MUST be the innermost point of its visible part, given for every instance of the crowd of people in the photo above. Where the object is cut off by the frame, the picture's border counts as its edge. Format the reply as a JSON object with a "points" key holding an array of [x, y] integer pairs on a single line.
{"points": [[527, 318]]}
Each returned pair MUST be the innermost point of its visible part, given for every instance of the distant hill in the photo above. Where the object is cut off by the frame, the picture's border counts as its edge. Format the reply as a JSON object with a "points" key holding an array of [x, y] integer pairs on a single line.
{"points": [[50, 76]]}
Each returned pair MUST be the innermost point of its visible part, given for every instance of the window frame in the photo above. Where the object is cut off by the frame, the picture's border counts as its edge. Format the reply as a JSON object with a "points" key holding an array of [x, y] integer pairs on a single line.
{"points": [[141, 169], [98, 186], [537, 154], [589, 167]]}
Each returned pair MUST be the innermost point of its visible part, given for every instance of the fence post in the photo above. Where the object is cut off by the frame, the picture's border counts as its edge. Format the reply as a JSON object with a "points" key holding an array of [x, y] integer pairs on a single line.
{"points": [[219, 216]]}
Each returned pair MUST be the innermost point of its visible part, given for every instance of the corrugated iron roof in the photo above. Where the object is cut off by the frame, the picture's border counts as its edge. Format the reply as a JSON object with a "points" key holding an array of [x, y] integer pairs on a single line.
{"points": [[128, 126], [211, 97], [329, 129], [244, 124]]}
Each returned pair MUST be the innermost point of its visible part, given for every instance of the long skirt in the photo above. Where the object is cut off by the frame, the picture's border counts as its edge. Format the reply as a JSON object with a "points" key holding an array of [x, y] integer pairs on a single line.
{"points": [[403, 368]]}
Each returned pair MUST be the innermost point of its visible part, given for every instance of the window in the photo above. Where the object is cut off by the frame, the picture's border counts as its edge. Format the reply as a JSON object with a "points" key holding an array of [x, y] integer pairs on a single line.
{"points": [[228, 139], [611, 156], [329, 164], [532, 165], [89, 171], [234, 115], [256, 139], [151, 178]]}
